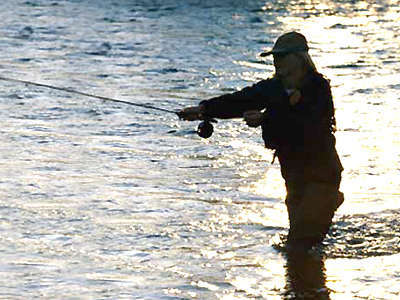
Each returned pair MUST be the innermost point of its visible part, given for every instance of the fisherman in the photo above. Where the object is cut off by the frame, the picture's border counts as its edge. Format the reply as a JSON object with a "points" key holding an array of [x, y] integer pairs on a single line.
{"points": [[296, 113]]}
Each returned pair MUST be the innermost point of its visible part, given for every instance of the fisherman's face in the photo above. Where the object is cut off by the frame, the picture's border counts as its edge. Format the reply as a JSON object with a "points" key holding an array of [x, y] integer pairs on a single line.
{"points": [[290, 69]]}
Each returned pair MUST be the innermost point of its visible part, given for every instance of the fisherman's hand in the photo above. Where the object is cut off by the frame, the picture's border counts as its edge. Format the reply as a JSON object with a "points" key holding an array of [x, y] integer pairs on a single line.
{"points": [[253, 118], [192, 113], [295, 97]]}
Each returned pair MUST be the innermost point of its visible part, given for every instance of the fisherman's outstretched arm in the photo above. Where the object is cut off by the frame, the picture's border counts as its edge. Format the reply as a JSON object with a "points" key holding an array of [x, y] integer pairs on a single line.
{"points": [[232, 105]]}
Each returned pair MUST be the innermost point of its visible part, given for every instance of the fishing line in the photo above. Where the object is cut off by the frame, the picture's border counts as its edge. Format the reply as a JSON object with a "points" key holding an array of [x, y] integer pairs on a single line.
{"points": [[204, 130], [69, 90]]}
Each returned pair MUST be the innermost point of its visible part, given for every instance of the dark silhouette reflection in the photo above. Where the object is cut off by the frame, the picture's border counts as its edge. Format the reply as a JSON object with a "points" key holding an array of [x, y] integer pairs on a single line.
{"points": [[305, 276]]}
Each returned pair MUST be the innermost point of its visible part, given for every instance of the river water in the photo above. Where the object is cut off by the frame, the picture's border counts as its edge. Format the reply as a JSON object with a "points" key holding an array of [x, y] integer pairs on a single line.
{"points": [[107, 201]]}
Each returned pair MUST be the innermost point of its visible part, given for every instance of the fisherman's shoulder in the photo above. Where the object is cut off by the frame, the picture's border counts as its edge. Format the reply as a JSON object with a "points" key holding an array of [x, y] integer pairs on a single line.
{"points": [[260, 88], [267, 84], [318, 80]]}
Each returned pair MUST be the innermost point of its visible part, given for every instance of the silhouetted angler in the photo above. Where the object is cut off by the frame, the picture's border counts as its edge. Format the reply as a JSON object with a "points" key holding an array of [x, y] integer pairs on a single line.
{"points": [[299, 124]]}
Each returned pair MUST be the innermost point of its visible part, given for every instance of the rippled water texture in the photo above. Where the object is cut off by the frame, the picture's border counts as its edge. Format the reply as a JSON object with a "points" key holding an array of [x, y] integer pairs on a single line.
{"points": [[106, 201]]}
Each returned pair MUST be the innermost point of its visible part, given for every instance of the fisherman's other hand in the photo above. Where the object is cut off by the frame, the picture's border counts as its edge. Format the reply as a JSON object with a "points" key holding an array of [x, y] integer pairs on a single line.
{"points": [[192, 113], [253, 118], [295, 97]]}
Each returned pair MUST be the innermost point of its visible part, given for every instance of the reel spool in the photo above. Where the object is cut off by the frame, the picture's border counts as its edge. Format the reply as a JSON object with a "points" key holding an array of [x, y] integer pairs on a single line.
{"points": [[205, 128]]}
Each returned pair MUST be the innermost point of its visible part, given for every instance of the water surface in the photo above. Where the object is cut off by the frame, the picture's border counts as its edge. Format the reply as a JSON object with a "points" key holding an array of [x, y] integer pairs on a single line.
{"points": [[106, 201]]}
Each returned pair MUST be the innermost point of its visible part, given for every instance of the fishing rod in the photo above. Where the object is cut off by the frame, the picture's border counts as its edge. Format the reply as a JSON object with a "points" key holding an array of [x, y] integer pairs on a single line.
{"points": [[69, 90], [204, 130]]}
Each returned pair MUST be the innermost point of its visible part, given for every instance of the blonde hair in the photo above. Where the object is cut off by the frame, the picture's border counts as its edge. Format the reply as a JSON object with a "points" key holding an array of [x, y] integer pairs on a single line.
{"points": [[308, 62]]}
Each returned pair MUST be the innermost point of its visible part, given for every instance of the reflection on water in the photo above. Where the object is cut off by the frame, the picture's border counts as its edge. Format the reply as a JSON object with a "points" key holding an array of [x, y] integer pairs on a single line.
{"points": [[305, 276], [99, 200]]}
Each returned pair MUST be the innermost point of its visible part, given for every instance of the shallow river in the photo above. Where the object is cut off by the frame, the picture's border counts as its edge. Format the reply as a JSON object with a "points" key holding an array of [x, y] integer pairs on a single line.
{"points": [[107, 201]]}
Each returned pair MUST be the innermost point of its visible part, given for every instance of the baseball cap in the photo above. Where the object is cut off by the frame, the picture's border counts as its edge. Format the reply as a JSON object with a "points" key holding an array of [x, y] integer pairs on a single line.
{"points": [[288, 43]]}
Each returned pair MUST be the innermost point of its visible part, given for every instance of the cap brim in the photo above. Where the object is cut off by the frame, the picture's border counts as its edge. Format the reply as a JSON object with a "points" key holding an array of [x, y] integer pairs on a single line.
{"points": [[285, 50], [265, 53], [276, 51]]}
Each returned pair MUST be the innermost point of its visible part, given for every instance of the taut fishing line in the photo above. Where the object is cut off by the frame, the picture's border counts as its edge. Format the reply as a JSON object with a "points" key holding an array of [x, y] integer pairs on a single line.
{"points": [[69, 90], [204, 130]]}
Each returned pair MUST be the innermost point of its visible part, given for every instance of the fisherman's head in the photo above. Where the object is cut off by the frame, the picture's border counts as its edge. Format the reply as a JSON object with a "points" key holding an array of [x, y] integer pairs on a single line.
{"points": [[291, 59]]}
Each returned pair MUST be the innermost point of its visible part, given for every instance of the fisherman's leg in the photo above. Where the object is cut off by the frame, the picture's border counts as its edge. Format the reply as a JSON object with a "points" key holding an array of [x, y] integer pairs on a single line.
{"points": [[294, 198], [311, 216], [305, 275]]}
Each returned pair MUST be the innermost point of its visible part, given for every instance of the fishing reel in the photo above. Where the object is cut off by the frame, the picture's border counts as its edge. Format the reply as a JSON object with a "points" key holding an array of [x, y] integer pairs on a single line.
{"points": [[205, 128]]}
